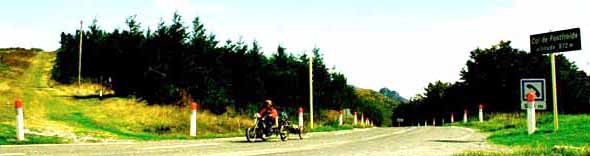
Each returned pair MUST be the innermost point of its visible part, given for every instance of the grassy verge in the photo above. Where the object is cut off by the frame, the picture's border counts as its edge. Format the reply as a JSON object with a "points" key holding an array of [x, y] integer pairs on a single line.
{"points": [[8, 136], [572, 138], [71, 113]]}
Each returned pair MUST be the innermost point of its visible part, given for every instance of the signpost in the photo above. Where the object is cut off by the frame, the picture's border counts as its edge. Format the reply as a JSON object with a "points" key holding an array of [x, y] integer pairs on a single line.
{"points": [[553, 42], [537, 86]]}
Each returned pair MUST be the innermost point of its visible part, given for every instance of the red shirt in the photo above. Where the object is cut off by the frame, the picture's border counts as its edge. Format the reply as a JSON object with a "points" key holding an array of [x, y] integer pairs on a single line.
{"points": [[273, 112]]}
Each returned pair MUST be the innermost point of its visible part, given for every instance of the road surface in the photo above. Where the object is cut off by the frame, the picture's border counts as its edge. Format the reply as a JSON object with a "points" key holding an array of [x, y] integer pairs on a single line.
{"points": [[411, 141]]}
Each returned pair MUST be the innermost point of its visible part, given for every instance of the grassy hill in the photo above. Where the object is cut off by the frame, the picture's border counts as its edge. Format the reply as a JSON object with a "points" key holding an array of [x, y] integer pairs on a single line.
{"points": [[60, 114], [56, 113], [376, 105]]}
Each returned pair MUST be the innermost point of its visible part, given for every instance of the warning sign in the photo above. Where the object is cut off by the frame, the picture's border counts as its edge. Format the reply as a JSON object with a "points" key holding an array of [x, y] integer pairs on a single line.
{"points": [[536, 86]]}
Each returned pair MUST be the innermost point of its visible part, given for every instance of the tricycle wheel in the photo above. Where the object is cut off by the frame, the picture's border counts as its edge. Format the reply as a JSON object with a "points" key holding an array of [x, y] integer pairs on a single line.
{"points": [[250, 135], [284, 133]]}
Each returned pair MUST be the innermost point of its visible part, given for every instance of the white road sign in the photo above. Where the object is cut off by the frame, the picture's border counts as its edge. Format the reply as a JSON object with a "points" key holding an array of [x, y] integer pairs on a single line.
{"points": [[538, 87]]}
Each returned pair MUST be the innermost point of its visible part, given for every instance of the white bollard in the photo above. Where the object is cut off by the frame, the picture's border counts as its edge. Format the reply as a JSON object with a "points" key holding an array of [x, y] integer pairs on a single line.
{"points": [[354, 122], [362, 119], [531, 121], [465, 115], [340, 122], [425, 123], [20, 120], [433, 121], [193, 128], [300, 117], [452, 117], [480, 112]]}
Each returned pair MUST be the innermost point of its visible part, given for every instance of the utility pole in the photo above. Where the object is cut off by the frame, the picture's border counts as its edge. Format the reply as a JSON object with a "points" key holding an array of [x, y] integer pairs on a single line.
{"points": [[311, 91], [80, 55]]}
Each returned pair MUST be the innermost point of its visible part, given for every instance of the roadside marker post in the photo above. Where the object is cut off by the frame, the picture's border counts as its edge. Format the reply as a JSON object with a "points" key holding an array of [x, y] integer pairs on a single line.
{"points": [[425, 123], [362, 119], [452, 117], [340, 122], [465, 115], [480, 112], [531, 121], [300, 117], [433, 121], [20, 120], [354, 122], [193, 129]]}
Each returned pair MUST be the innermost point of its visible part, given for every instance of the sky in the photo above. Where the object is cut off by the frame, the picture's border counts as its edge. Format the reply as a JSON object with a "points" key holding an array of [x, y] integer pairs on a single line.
{"points": [[402, 45]]}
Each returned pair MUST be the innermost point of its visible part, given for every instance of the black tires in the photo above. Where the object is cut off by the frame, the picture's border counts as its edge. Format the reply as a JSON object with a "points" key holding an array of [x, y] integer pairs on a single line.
{"points": [[250, 134]]}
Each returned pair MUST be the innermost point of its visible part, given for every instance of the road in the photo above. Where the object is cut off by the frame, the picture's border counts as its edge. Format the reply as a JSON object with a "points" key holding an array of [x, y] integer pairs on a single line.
{"points": [[362, 142]]}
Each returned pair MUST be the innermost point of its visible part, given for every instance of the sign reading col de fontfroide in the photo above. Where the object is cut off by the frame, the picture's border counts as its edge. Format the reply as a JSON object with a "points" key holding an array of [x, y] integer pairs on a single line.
{"points": [[557, 41]]}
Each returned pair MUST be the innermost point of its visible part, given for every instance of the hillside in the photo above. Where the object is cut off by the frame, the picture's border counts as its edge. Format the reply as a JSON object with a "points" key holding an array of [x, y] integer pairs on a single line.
{"points": [[56, 113], [63, 113], [376, 105]]}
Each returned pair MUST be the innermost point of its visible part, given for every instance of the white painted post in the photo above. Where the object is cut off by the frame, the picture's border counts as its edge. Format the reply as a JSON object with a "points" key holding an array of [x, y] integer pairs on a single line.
{"points": [[452, 117], [193, 128], [433, 121], [362, 119], [531, 121], [20, 120], [300, 117], [480, 112], [425, 123], [354, 122], [340, 122], [465, 115]]}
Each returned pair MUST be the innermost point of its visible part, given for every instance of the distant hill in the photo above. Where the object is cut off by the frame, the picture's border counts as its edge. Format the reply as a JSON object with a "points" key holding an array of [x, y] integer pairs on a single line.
{"points": [[376, 105], [392, 94]]}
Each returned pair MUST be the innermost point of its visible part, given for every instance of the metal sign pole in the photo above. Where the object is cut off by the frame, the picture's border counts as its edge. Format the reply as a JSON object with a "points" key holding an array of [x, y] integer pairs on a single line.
{"points": [[554, 92]]}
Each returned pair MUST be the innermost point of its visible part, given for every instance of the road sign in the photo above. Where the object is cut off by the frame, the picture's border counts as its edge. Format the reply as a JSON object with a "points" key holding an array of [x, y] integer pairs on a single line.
{"points": [[557, 41], [538, 87]]}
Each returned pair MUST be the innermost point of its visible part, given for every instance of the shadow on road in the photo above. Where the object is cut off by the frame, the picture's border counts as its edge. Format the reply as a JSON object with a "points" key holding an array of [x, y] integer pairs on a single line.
{"points": [[455, 141]]}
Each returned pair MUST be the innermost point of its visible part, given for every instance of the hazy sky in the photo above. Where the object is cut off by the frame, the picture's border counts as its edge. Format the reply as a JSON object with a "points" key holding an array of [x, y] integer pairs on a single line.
{"points": [[402, 45]]}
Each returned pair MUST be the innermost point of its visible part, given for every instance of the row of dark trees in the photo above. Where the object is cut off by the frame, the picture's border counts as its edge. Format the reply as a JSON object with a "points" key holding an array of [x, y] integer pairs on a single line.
{"points": [[492, 78], [172, 64]]}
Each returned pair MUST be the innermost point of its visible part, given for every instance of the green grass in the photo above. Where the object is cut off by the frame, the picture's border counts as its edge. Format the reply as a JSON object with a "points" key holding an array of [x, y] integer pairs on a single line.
{"points": [[8, 136], [511, 130], [57, 112]]}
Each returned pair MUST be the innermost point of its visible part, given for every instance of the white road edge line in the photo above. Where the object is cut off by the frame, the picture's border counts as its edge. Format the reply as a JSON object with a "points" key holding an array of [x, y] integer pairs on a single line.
{"points": [[12, 154], [179, 146], [83, 144]]}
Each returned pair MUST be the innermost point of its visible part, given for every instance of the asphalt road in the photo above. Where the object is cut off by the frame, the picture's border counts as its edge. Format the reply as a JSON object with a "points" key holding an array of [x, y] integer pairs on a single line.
{"points": [[412, 141]]}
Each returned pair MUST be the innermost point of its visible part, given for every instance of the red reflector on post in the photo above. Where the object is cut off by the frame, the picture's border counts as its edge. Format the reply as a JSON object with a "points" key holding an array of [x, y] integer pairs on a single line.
{"points": [[193, 106], [18, 103]]}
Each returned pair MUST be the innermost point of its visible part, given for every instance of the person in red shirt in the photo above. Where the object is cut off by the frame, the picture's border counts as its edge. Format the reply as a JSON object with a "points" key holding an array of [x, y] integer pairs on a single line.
{"points": [[271, 111]]}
